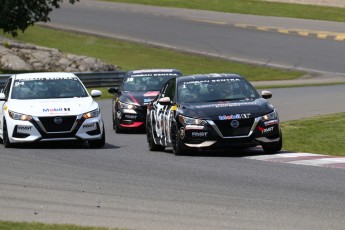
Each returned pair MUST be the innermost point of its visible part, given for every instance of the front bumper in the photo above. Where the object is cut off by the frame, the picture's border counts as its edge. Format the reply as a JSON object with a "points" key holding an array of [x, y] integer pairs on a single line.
{"points": [[40, 129], [131, 119], [211, 136]]}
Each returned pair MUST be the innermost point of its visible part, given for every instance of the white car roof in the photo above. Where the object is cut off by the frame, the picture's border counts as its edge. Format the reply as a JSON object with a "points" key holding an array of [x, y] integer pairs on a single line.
{"points": [[50, 75], [152, 70]]}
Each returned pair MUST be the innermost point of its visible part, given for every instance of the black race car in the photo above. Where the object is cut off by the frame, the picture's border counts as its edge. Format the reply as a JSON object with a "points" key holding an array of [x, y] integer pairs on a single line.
{"points": [[212, 111], [136, 91]]}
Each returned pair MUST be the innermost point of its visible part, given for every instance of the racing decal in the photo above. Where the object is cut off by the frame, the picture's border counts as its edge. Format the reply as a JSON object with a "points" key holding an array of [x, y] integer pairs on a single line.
{"points": [[195, 127], [47, 79], [24, 129], [133, 99], [272, 122], [199, 134], [182, 133], [118, 115], [265, 130], [89, 127], [234, 116], [151, 94], [162, 117], [160, 71], [224, 105], [132, 117], [57, 110], [147, 101], [17, 83]]}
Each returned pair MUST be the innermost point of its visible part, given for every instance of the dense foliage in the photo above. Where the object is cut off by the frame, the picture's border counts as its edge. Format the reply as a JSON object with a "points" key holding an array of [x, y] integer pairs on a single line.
{"points": [[20, 14]]}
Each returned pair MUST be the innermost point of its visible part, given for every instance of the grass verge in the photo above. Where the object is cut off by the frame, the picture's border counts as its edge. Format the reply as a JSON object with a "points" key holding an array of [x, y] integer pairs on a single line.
{"points": [[41, 226], [321, 134], [255, 7], [128, 55]]}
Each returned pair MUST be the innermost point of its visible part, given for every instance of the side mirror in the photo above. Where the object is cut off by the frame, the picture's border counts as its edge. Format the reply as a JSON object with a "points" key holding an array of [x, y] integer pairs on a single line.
{"points": [[96, 93], [2, 97], [164, 101], [113, 90], [266, 94]]}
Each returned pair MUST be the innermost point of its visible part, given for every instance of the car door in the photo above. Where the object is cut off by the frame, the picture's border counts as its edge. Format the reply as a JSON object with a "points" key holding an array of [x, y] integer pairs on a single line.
{"points": [[160, 114]]}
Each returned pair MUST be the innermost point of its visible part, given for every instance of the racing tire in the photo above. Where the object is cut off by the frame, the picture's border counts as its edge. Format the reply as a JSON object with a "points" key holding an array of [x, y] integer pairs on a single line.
{"points": [[152, 145], [116, 126], [98, 143], [178, 149], [273, 147], [5, 139]]}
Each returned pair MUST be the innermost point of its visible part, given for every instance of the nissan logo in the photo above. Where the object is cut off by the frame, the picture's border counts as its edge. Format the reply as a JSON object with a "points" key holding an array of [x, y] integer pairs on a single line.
{"points": [[58, 120], [235, 123]]}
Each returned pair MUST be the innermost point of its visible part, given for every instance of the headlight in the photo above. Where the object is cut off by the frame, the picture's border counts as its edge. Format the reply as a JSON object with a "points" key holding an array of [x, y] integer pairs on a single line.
{"points": [[91, 114], [126, 106], [270, 116], [19, 116], [191, 121]]}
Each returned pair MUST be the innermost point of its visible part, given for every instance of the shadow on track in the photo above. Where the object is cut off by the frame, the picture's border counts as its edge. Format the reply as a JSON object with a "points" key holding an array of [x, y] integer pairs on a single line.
{"points": [[235, 152]]}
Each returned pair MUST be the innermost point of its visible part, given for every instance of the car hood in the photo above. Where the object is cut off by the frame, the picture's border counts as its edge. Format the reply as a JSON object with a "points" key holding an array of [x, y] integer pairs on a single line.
{"points": [[138, 97], [53, 107], [237, 109]]}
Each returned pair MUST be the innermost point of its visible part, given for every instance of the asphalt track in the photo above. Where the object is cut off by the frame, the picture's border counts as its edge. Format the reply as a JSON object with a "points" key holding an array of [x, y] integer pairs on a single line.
{"points": [[125, 185], [309, 45]]}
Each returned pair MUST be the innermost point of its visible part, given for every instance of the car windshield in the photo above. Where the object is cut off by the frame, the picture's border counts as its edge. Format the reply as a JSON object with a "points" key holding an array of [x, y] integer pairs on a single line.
{"points": [[220, 89], [147, 81], [45, 88]]}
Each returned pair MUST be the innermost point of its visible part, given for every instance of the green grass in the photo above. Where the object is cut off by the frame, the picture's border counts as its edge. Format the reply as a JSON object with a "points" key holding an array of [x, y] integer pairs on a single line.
{"points": [[8, 225], [128, 55], [255, 7], [322, 135]]}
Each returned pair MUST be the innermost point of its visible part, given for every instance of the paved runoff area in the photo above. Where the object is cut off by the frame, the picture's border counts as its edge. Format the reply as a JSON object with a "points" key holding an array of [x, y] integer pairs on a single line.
{"points": [[334, 3], [303, 159]]}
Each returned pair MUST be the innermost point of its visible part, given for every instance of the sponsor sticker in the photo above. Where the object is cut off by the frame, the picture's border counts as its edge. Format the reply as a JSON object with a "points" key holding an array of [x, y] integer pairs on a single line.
{"points": [[182, 133], [225, 105], [199, 134], [128, 116], [88, 127], [24, 129], [147, 101], [234, 116], [265, 130], [56, 110]]}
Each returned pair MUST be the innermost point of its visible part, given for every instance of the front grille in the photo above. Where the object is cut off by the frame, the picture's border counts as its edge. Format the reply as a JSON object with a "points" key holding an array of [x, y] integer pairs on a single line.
{"points": [[51, 126], [228, 131]]}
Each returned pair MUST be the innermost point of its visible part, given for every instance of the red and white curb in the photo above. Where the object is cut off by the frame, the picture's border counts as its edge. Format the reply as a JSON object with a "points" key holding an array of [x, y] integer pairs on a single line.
{"points": [[303, 159]]}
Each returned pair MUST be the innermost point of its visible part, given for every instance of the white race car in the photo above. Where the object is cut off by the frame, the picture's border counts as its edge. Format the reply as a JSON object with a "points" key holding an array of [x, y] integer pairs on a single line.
{"points": [[37, 107]]}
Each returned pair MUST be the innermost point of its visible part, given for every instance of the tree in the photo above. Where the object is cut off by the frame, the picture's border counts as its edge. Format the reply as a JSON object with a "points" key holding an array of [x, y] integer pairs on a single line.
{"points": [[20, 14]]}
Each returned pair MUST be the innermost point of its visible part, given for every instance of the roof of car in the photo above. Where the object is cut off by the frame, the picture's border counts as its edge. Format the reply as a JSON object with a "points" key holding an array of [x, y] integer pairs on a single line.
{"points": [[45, 75], [153, 71], [209, 76]]}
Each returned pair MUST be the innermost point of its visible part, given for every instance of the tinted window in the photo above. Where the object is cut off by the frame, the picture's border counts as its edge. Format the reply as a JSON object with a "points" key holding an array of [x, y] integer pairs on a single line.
{"points": [[48, 88], [7, 87], [146, 81], [215, 90]]}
